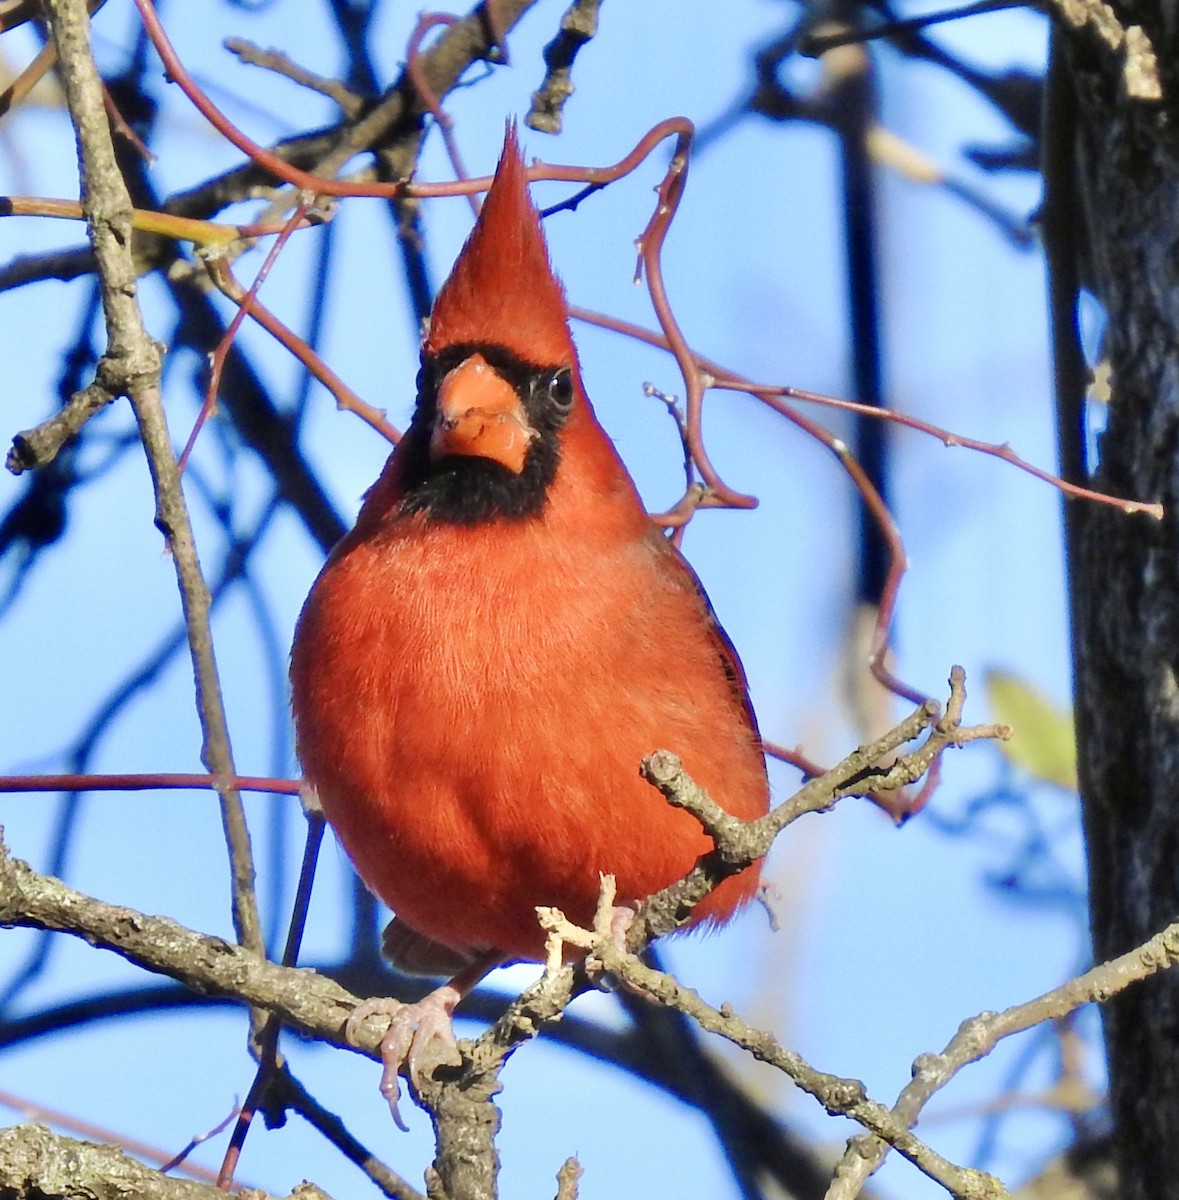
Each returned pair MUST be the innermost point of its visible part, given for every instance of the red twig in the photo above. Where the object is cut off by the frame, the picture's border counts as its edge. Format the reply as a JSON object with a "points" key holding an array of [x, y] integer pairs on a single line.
{"points": [[146, 782], [413, 66], [178, 74], [995, 450], [872, 498], [315, 184], [346, 398], [200, 1139], [428, 97], [120, 126], [650, 243], [245, 306], [794, 758]]}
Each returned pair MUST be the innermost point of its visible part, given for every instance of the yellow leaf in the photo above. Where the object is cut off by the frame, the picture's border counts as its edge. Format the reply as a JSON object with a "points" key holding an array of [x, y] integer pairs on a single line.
{"points": [[1043, 743]]}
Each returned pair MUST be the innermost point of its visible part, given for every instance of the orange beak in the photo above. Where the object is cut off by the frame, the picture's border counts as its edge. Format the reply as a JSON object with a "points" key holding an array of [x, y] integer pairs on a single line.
{"points": [[480, 415]]}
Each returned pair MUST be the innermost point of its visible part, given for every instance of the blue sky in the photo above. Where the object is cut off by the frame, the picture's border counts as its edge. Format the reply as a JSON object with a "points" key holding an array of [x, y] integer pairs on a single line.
{"points": [[890, 938]]}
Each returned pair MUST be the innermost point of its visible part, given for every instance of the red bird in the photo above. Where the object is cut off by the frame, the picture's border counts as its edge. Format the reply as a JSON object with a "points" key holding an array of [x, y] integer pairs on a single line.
{"points": [[489, 654]]}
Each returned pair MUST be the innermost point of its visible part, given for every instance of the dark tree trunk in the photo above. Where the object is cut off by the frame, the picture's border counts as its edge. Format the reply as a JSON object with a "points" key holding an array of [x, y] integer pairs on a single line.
{"points": [[1112, 226]]}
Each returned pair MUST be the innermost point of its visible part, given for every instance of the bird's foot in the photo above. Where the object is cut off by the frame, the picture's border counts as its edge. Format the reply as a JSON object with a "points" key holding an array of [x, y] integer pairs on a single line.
{"points": [[621, 918], [412, 1027]]}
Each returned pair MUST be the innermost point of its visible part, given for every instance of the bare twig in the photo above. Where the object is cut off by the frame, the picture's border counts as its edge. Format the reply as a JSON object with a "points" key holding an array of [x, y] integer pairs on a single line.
{"points": [[201, 233], [40, 445], [415, 73], [567, 1178], [950, 439], [131, 367], [578, 27], [349, 103], [12, 14], [979, 1035], [245, 306], [177, 1161], [741, 843], [304, 999], [35, 1162], [840, 1097]]}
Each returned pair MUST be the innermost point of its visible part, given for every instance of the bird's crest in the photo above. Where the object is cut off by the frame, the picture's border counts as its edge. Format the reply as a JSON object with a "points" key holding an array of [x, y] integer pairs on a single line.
{"points": [[502, 289]]}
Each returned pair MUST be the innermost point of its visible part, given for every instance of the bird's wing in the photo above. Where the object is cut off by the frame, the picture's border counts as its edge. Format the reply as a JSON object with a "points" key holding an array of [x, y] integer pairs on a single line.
{"points": [[725, 650], [416, 954]]}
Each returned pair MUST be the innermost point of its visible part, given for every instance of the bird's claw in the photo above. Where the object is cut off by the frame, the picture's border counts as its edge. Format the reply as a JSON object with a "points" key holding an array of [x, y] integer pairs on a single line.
{"points": [[412, 1027], [622, 917]]}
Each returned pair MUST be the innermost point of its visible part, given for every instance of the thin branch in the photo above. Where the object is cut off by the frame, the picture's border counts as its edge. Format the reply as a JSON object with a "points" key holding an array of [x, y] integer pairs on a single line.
{"points": [[578, 27], [840, 1097], [305, 1000], [245, 305], [35, 1162], [415, 73], [41, 445], [948, 438], [177, 1160], [349, 103], [979, 1035], [346, 399], [188, 229], [131, 367], [738, 844], [145, 783]]}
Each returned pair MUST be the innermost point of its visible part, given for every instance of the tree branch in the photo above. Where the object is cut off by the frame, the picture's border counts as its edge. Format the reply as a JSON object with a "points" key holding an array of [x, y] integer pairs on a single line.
{"points": [[840, 1097], [304, 999], [979, 1035], [36, 1162], [131, 367], [578, 27]]}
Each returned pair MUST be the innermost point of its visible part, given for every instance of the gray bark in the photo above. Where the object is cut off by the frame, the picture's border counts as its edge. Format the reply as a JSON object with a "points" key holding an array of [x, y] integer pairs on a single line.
{"points": [[1112, 226]]}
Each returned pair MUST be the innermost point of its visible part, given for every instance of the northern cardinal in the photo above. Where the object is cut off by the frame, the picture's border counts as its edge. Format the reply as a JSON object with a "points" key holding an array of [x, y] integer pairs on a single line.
{"points": [[489, 654]]}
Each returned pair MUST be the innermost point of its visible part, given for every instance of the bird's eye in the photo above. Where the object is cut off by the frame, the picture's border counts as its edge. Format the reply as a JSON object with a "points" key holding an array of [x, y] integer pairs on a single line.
{"points": [[560, 388]]}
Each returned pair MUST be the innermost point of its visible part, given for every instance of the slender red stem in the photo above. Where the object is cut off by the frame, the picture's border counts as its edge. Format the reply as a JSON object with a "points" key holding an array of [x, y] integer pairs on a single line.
{"points": [[946, 437], [145, 782], [217, 362], [346, 398]]}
